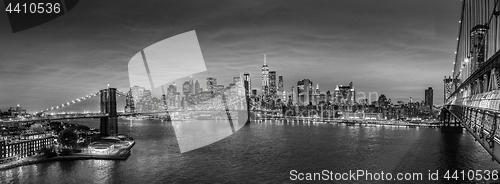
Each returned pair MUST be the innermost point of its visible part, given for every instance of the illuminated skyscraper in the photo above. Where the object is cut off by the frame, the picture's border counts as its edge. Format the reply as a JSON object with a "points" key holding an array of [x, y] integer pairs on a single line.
{"points": [[172, 88], [191, 85], [316, 95], [478, 41], [272, 84], [137, 92], [129, 105], [186, 88], [429, 99], [247, 83], [147, 95], [280, 83], [197, 89], [265, 78], [304, 91], [211, 84], [345, 94], [337, 97], [281, 90]]}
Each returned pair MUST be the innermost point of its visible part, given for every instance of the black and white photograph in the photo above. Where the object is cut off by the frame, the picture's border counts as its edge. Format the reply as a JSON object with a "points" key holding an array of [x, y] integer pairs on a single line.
{"points": [[235, 91]]}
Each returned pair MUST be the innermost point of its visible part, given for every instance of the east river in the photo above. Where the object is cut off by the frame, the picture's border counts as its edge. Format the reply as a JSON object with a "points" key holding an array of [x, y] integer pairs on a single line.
{"points": [[266, 152]]}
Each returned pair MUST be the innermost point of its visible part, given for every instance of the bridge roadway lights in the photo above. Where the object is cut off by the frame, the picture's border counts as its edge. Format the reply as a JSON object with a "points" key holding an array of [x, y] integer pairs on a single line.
{"points": [[109, 124]]}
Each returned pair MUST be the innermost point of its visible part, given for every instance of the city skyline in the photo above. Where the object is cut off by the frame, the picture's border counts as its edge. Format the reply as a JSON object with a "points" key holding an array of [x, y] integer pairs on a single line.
{"points": [[402, 48]]}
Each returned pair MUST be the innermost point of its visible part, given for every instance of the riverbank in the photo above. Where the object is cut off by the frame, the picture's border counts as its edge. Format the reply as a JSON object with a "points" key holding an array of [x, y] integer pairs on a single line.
{"points": [[351, 122], [121, 154]]}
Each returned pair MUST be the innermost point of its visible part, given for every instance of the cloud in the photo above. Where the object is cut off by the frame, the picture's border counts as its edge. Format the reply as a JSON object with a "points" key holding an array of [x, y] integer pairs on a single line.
{"points": [[395, 47]]}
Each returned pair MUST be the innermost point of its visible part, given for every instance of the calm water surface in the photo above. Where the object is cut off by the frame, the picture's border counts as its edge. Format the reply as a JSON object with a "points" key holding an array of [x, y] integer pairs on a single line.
{"points": [[266, 152]]}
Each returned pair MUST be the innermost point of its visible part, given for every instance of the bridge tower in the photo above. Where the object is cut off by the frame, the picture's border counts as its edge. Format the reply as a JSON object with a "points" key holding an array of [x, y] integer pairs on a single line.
{"points": [[109, 125]]}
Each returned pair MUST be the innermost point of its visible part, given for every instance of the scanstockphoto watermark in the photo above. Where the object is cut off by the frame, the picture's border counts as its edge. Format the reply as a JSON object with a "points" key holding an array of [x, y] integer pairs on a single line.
{"points": [[357, 175]]}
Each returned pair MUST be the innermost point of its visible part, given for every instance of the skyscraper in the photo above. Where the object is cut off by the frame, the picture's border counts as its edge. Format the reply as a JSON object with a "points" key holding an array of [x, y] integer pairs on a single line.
{"points": [[478, 46], [137, 92], [211, 84], [272, 84], [186, 88], [171, 93], [265, 78], [129, 105], [172, 88], [247, 83], [197, 87], [147, 95], [191, 85], [316, 95], [345, 94], [304, 91], [236, 80], [429, 98], [281, 90], [280, 84]]}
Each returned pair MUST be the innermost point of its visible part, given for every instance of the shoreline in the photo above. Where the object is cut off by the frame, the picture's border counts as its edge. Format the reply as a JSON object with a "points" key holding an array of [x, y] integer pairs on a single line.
{"points": [[349, 122], [122, 154]]}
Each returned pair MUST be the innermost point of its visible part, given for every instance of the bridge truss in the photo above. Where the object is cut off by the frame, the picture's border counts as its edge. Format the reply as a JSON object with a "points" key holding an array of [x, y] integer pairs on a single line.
{"points": [[472, 93]]}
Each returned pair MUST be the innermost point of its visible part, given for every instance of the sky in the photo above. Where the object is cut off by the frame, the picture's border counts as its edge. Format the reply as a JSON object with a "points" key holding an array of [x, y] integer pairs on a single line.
{"points": [[394, 47]]}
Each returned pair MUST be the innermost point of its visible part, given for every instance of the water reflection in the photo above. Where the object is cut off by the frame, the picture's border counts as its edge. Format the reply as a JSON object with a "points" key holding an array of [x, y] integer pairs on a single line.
{"points": [[265, 152], [195, 134], [102, 170]]}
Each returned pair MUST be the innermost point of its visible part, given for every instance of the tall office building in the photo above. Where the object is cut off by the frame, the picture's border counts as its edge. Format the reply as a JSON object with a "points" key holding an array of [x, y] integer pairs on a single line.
{"points": [[304, 91], [429, 98], [478, 46], [141, 96], [211, 84], [316, 95], [265, 78], [186, 88], [171, 92], [236, 80], [147, 95], [219, 89], [294, 95], [281, 90], [247, 83], [344, 94], [172, 88], [137, 93], [197, 89], [129, 105], [283, 96], [191, 85], [272, 84], [280, 84]]}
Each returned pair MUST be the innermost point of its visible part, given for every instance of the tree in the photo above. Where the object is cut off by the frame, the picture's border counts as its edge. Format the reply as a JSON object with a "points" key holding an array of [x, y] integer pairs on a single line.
{"points": [[37, 128], [48, 152], [82, 128], [68, 138]]}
